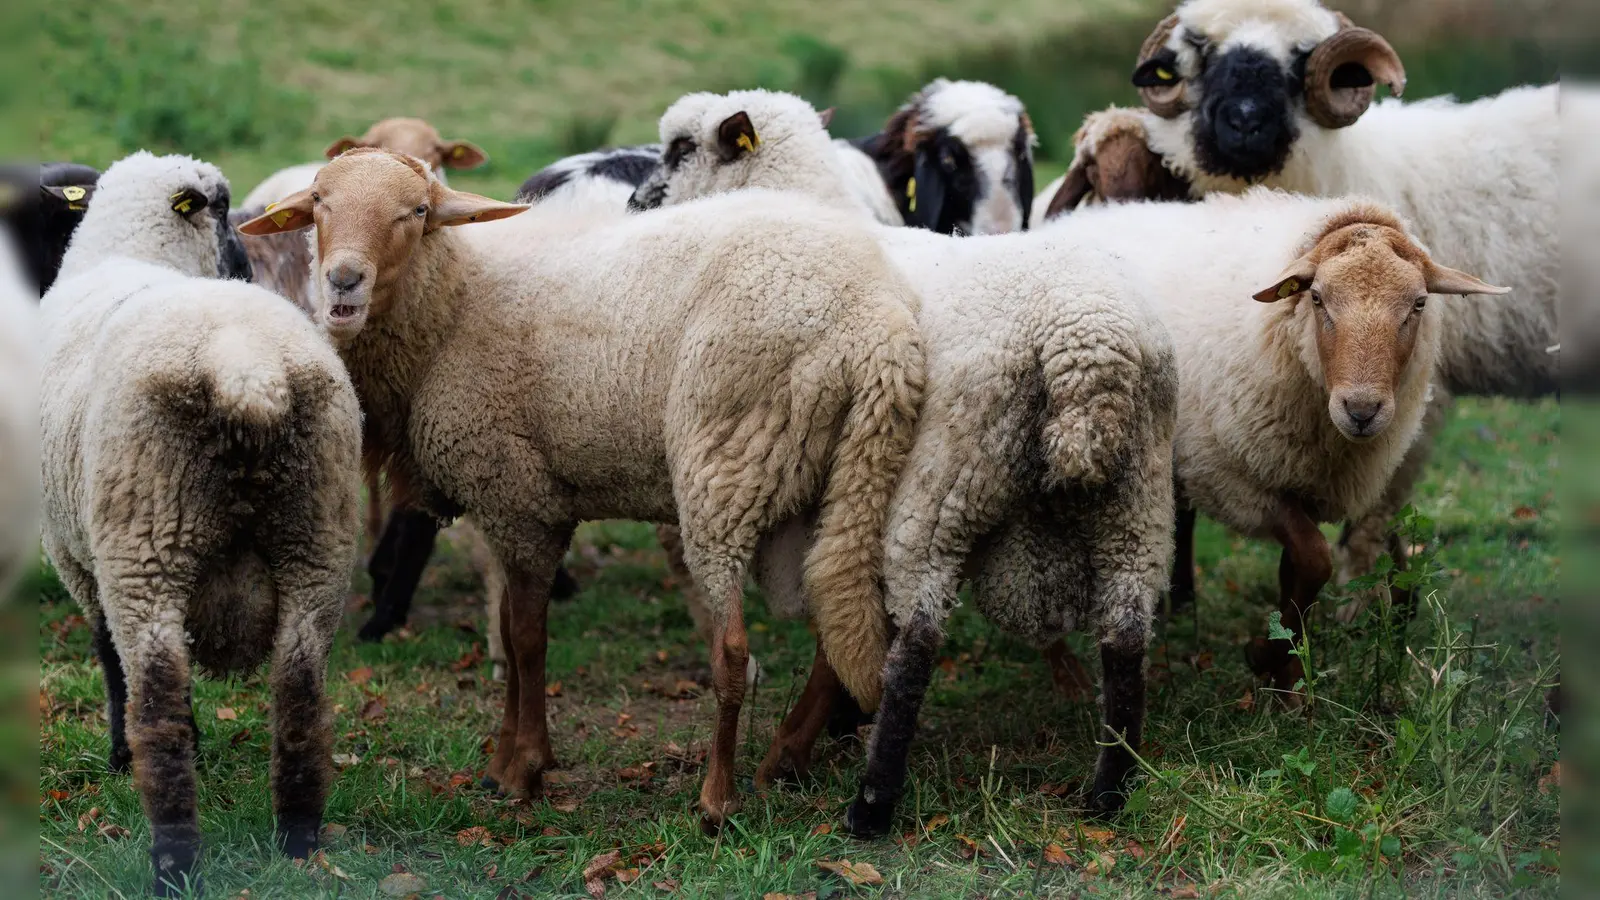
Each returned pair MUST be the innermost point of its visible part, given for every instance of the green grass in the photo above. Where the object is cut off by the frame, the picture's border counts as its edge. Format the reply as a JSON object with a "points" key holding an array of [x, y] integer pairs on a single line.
{"points": [[1438, 792]]}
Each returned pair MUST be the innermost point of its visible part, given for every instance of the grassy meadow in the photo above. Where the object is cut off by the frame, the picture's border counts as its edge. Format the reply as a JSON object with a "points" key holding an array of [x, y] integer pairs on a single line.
{"points": [[1428, 766]]}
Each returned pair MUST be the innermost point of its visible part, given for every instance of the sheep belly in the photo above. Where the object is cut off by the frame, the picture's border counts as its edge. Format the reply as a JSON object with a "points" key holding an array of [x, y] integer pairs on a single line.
{"points": [[233, 615]]}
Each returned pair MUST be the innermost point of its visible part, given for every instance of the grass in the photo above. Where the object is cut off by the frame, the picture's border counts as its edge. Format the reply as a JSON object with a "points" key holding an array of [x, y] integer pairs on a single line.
{"points": [[1442, 790]]}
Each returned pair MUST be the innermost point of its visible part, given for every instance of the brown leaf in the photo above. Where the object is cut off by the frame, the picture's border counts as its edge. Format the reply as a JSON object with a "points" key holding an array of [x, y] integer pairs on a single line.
{"points": [[1524, 513], [1185, 892], [600, 866], [665, 885], [595, 887], [507, 893], [477, 834], [935, 822], [58, 796], [333, 831], [628, 875], [661, 656], [1552, 780], [239, 737], [550, 831], [87, 819], [399, 884], [1203, 660], [112, 832], [226, 713], [1135, 850], [856, 873], [824, 828], [1101, 836], [808, 895], [1054, 855], [374, 710], [1056, 790], [908, 840], [637, 773], [1248, 701], [1101, 864], [966, 847], [359, 676], [468, 660], [553, 689]]}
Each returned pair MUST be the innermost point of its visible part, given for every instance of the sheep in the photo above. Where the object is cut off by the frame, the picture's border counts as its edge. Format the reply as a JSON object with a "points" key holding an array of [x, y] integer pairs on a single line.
{"points": [[1279, 92], [1111, 163], [1043, 457], [19, 450], [601, 179], [1298, 410], [957, 157], [45, 203], [413, 137], [201, 456], [722, 366]]}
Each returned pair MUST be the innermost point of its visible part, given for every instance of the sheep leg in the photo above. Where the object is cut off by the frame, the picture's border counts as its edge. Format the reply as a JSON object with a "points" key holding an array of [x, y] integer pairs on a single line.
{"points": [[494, 600], [1304, 567], [846, 716], [789, 757], [494, 773], [121, 759], [1183, 589], [1071, 679], [1122, 673], [413, 535], [374, 509], [730, 654], [906, 674], [302, 726], [520, 762], [161, 735], [671, 540]]}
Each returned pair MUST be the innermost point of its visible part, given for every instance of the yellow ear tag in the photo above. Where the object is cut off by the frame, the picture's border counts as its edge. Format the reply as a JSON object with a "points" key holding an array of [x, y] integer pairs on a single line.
{"points": [[282, 216], [458, 152], [183, 206], [1289, 288], [270, 206], [911, 192], [1164, 74], [749, 142], [73, 193]]}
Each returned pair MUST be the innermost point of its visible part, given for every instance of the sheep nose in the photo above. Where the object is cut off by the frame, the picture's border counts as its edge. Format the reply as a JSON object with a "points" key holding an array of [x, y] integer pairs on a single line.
{"points": [[344, 277], [1244, 116], [1362, 410]]}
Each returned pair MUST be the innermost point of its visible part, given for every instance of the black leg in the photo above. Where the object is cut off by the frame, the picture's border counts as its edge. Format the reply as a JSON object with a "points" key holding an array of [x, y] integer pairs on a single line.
{"points": [[845, 716], [397, 565], [565, 587], [1122, 671], [1183, 559], [121, 760], [905, 683]]}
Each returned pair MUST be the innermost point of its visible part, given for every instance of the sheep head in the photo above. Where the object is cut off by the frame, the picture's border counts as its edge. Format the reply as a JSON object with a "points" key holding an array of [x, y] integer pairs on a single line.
{"points": [[1245, 76], [1365, 284], [414, 137], [372, 209], [1113, 162]]}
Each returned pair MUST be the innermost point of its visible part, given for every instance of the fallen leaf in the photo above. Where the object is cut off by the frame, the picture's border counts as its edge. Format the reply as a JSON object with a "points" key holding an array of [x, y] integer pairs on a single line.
{"points": [[628, 875], [58, 796], [460, 779], [935, 822], [637, 773], [1203, 660], [359, 676], [1524, 513], [661, 656], [856, 873], [1175, 833], [345, 760], [422, 688], [87, 819], [374, 710], [597, 871], [1056, 790], [665, 885], [808, 895], [333, 831], [477, 834], [553, 689], [468, 660], [908, 840], [508, 893], [239, 737], [1054, 855], [1248, 701], [226, 713], [966, 847], [1101, 836], [1101, 864], [1135, 850], [824, 828], [1552, 780], [112, 832], [400, 884]]}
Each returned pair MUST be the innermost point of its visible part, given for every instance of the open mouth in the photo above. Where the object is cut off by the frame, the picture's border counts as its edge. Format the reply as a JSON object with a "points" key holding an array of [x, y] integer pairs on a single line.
{"points": [[344, 312]]}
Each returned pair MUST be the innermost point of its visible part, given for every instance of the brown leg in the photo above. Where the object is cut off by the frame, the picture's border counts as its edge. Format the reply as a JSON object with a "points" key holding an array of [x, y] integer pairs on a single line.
{"points": [[1071, 679], [495, 775], [730, 652], [789, 757], [374, 509], [521, 760], [162, 741], [1306, 565]]}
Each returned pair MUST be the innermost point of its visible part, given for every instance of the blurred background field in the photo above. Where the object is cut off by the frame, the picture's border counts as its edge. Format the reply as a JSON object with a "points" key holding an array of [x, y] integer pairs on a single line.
{"points": [[1449, 775]]}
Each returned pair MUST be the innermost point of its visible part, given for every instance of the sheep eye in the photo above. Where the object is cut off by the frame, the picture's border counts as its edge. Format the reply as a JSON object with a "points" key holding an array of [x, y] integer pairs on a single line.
{"points": [[676, 151], [1316, 298], [948, 161], [421, 210], [316, 197], [1421, 302]]}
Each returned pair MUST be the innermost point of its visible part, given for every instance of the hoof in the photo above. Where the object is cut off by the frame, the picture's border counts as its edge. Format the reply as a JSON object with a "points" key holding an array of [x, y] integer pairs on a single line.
{"points": [[780, 774], [489, 784], [374, 630], [710, 825], [1105, 802], [1260, 656], [564, 587], [120, 762], [865, 819], [174, 864], [298, 840]]}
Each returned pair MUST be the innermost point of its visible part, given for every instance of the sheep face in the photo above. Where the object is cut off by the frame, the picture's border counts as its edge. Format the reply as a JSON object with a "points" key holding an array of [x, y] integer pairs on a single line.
{"points": [[1363, 290], [372, 209], [1245, 78], [958, 158], [414, 137], [1113, 163]]}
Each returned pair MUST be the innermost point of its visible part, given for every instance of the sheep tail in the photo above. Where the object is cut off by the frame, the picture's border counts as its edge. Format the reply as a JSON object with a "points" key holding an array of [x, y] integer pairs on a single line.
{"points": [[249, 385], [843, 569], [1091, 376]]}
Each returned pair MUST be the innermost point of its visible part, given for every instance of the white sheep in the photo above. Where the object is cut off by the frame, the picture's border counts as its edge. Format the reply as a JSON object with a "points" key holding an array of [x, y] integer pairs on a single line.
{"points": [[1043, 456], [725, 366], [1299, 409], [201, 457], [19, 448], [1229, 108]]}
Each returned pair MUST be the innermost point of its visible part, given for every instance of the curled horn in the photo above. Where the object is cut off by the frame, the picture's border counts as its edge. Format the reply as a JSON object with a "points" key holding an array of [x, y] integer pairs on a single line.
{"points": [[1338, 105], [1165, 101]]}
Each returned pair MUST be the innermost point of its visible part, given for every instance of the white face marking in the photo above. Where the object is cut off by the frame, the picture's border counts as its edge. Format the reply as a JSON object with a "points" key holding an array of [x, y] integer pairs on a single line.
{"points": [[996, 210]]}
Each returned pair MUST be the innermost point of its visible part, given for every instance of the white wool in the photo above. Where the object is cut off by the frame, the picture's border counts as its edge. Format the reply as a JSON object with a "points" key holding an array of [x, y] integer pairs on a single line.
{"points": [[865, 183], [19, 418], [120, 223]]}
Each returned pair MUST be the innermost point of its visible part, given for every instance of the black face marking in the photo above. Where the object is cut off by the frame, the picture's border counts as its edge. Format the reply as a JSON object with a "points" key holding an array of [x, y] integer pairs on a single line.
{"points": [[42, 220], [631, 165], [1022, 163], [1244, 126], [232, 260], [627, 165], [543, 182], [946, 189]]}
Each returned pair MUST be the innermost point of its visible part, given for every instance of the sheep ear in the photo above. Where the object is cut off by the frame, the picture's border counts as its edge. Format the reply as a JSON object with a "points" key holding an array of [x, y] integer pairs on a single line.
{"points": [[292, 213], [1296, 278], [462, 208], [341, 145], [189, 201], [826, 116], [1445, 280], [736, 136], [71, 196], [462, 155]]}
